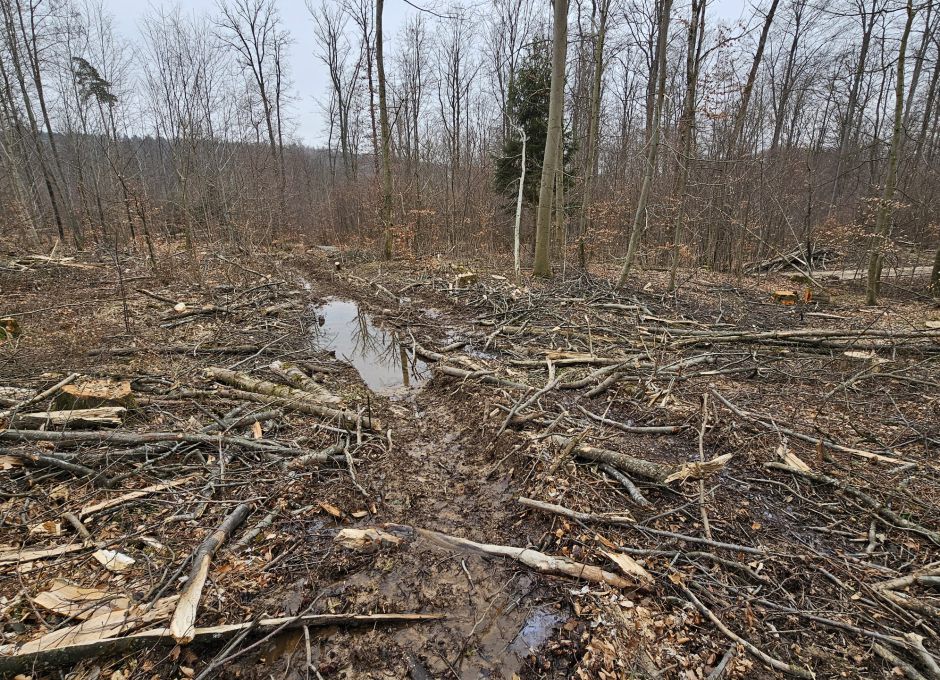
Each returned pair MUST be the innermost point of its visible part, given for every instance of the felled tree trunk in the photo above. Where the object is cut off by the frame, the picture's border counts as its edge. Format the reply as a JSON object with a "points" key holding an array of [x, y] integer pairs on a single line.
{"points": [[287, 396]]}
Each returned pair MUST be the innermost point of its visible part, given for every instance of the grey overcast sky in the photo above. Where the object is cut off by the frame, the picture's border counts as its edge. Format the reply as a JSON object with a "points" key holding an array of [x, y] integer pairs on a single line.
{"points": [[307, 72]]}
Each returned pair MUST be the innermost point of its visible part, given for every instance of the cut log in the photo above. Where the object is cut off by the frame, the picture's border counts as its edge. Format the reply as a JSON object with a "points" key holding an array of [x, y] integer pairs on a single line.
{"points": [[658, 472], [294, 376], [41, 395], [183, 625], [288, 397], [106, 416], [92, 393]]}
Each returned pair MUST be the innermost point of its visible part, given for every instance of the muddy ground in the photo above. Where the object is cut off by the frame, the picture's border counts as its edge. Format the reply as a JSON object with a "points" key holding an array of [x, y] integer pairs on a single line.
{"points": [[753, 560]]}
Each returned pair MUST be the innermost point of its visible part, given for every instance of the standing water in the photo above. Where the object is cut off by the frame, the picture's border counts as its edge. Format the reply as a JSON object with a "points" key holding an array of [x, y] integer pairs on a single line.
{"points": [[386, 366]]}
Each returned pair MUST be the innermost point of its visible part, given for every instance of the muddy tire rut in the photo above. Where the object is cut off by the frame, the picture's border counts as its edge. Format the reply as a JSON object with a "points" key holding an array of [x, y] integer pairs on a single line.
{"points": [[499, 616]]}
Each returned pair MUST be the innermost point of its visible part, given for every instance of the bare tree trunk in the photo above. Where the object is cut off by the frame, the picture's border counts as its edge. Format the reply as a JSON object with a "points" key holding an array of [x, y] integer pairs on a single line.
{"points": [[686, 125], [885, 210], [515, 236], [640, 215], [590, 169], [383, 123], [751, 78], [560, 223], [543, 265]]}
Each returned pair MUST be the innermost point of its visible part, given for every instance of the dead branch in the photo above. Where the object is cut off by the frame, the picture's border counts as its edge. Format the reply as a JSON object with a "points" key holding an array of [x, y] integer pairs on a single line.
{"points": [[183, 624]]}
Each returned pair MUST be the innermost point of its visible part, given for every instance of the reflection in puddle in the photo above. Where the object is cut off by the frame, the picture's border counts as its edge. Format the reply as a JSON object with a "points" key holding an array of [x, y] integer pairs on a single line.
{"points": [[537, 631], [385, 365]]}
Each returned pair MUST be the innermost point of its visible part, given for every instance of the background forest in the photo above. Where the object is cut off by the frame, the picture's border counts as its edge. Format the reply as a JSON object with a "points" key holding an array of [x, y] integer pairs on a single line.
{"points": [[687, 141]]}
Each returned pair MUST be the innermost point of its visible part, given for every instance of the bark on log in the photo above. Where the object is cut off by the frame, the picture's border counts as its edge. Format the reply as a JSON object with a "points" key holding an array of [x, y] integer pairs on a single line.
{"points": [[664, 474], [287, 396]]}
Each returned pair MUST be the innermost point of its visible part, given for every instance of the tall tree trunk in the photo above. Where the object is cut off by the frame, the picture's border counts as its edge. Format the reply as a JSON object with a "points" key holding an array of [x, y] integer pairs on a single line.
{"points": [[884, 214], [751, 78], [590, 170], [561, 231], [383, 123], [787, 88], [640, 215], [550, 160], [686, 127]]}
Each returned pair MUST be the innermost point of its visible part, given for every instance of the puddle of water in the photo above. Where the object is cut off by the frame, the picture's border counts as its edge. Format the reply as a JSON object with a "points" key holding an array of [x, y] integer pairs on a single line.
{"points": [[386, 366], [536, 631]]}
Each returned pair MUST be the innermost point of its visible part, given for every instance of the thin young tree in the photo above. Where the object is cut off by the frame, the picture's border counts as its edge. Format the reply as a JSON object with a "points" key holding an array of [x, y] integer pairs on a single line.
{"points": [[591, 156], [884, 214], [543, 227], [386, 142], [639, 217]]}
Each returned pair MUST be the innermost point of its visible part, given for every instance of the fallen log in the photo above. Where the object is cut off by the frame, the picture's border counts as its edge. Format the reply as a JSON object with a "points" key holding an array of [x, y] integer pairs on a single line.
{"points": [[67, 655], [295, 377], [183, 624], [657, 472], [627, 521], [287, 396], [140, 438], [545, 564], [105, 416], [177, 349]]}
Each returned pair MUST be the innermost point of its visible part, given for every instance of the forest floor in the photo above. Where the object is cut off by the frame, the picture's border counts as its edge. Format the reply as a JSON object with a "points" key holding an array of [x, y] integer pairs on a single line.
{"points": [[720, 485]]}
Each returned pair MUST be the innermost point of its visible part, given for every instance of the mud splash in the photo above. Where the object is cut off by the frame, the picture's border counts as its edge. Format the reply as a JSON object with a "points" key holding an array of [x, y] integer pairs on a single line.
{"points": [[386, 366]]}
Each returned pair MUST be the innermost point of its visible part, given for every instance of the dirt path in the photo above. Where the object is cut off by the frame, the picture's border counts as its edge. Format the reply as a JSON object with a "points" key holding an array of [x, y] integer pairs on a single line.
{"points": [[499, 617]]}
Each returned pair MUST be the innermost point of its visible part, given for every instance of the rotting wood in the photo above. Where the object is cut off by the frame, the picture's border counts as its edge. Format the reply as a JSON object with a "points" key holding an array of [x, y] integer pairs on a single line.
{"points": [[183, 624]]}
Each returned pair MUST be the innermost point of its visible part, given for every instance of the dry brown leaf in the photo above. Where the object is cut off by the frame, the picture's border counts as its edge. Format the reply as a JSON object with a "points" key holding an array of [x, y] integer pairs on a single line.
{"points": [[10, 462]]}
